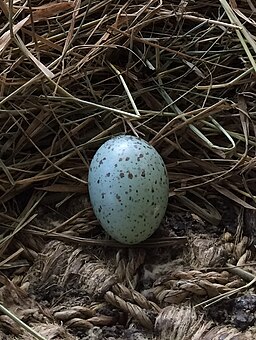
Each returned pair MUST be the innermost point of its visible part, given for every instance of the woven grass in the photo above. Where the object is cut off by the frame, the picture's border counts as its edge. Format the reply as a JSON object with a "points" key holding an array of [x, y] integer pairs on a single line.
{"points": [[180, 74]]}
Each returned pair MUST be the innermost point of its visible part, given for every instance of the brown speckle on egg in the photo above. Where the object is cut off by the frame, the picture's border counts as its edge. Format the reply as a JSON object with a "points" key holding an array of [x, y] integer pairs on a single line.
{"points": [[130, 175]]}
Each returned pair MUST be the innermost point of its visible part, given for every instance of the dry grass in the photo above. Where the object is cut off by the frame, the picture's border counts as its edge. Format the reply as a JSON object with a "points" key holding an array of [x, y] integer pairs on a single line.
{"points": [[180, 74]]}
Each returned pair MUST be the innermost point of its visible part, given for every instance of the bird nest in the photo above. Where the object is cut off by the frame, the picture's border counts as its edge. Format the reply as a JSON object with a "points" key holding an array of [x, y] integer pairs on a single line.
{"points": [[180, 75]]}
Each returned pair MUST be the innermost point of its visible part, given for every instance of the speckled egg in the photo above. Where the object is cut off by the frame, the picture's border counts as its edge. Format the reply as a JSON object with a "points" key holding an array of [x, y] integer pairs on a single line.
{"points": [[128, 188]]}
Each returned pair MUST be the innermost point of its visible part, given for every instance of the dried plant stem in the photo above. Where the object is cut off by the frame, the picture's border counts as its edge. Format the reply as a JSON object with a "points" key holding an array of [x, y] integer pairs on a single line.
{"points": [[243, 31], [21, 323], [221, 297], [126, 89]]}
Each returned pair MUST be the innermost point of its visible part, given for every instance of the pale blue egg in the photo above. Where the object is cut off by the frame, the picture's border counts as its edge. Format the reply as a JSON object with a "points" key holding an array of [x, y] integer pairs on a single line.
{"points": [[128, 187]]}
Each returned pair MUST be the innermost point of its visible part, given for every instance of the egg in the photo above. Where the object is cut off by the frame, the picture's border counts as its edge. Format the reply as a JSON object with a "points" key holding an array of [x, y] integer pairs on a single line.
{"points": [[128, 188]]}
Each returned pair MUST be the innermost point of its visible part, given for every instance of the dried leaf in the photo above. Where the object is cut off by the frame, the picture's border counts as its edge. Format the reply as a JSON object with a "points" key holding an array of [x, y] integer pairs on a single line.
{"points": [[49, 10]]}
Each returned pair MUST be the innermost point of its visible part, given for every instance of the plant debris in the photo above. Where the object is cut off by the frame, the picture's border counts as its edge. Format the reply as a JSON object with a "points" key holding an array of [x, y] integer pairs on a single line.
{"points": [[179, 74]]}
